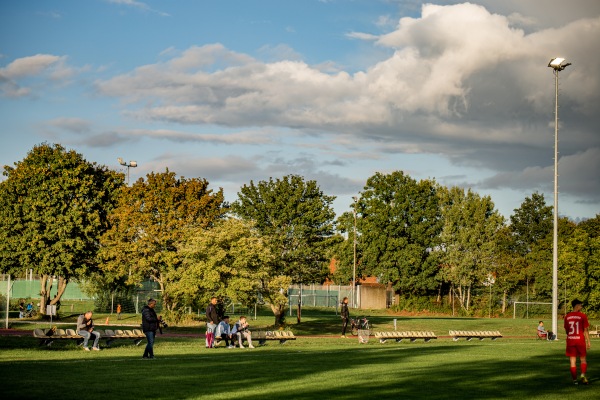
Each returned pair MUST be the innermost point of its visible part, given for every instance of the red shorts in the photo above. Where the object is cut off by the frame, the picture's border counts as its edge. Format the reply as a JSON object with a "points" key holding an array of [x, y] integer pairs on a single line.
{"points": [[576, 350]]}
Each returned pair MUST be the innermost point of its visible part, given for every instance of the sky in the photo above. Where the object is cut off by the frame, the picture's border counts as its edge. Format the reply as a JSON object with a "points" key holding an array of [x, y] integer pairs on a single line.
{"points": [[332, 90]]}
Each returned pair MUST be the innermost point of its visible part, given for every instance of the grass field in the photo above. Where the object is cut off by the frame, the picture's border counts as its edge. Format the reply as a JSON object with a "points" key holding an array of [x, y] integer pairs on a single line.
{"points": [[516, 367]]}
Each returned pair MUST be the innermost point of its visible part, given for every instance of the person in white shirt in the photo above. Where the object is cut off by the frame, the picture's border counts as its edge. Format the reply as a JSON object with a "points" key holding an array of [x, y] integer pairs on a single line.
{"points": [[224, 332]]}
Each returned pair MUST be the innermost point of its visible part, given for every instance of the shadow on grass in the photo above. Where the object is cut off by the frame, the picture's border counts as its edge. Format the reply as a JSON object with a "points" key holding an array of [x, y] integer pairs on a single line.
{"points": [[326, 369]]}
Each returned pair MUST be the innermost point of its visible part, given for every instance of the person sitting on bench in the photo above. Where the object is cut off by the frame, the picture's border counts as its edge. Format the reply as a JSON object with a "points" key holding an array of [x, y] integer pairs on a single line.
{"points": [[541, 331], [241, 330], [85, 328], [224, 332]]}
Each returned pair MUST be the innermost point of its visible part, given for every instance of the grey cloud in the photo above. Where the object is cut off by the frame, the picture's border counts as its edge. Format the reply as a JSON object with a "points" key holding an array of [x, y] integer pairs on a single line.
{"points": [[75, 125]]}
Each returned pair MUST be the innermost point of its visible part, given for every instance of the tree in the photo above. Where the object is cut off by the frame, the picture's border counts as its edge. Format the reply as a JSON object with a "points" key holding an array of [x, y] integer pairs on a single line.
{"points": [[54, 206], [344, 249], [467, 240], [399, 227], [228, 260], [530, 223], [508, 265], [150, 223], [531, 229], [295, 218]]}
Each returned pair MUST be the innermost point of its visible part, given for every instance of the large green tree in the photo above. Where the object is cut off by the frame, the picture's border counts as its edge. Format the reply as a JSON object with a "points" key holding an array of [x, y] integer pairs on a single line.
{"points": [[531, 230], [53, 209], [399, 227], [467, 240], [150, 223], [295, 218], [228, 260]]}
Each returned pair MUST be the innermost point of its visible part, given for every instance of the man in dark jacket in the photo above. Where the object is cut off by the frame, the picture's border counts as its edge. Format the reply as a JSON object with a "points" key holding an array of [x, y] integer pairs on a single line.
{"points": [[150, 323], [212, 319], [345, 315]]}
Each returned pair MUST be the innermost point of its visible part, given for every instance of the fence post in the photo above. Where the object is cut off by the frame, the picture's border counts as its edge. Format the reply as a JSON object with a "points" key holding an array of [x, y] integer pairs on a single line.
{"points": [[7, 299]]}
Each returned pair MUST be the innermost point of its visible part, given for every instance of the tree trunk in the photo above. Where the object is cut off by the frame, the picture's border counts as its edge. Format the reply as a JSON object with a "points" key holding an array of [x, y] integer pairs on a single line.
{"points": [[468, 296], [279, 312], [503, 301], [45, 289]]}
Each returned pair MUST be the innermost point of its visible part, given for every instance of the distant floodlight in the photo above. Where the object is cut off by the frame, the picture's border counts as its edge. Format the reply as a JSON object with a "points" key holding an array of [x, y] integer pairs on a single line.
{"points": [[132, 164], [557, 64]]}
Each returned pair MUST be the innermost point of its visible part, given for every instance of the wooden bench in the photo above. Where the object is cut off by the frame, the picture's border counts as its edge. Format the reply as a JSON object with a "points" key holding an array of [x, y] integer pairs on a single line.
{"points": [[48, 336], [595, 333], [262, 336], [399, 336], [456, 335]]}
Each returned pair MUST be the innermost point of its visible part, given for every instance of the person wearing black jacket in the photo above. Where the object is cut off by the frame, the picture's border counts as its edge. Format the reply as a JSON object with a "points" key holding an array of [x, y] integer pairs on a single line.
{"points": [[212, 319], [345, 315], [150, 324]]}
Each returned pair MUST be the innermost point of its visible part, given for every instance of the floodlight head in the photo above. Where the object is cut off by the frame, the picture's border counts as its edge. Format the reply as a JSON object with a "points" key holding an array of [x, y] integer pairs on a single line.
{"points": [[557, 64], [133, 164], [120, 160]]}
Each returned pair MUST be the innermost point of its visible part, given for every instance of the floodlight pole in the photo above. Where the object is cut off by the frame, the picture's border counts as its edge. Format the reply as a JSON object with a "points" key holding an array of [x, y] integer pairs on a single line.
{"points": [[131, 164], [557, 64], [354, 259]]}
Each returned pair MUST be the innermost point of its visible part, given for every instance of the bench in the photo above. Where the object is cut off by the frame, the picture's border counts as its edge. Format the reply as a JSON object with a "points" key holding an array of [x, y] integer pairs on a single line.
{"points": [[282, 336], [48, 336], [399, 336], [456, 335], [595, 333], [262, 336]]}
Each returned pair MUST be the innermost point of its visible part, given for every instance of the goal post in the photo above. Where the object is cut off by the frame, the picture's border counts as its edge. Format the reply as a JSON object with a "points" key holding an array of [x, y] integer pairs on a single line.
{"points": [[533, 307]]}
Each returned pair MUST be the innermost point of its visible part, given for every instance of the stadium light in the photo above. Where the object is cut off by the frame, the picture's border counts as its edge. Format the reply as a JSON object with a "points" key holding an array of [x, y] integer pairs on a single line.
{"points": [[557, 64], [354, 259], [132, 164]]}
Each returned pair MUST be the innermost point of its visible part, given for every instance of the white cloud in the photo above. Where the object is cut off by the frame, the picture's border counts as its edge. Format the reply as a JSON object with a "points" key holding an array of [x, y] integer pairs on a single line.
{"points": [[463, 82], [139, 5], [40, 66]]}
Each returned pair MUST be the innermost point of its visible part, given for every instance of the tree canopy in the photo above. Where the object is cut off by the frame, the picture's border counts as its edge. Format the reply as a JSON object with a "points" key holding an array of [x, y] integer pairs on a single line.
{"points": [[151, 221], [399, 227], [54, 206]]}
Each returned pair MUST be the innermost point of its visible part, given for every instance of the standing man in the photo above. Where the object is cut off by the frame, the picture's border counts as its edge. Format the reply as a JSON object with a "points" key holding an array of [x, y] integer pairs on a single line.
{"points": [[212, 319], [578, 340], [345, 315], [85, 328], [118, 311], [150, 323]]}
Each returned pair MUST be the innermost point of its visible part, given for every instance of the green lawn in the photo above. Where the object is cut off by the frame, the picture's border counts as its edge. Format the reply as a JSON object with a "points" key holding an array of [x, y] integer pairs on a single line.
{"points": [[308, 368]]}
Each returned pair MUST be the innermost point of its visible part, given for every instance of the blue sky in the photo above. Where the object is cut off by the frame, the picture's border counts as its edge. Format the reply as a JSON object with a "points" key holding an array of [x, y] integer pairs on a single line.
{"points": [[333, 90]]}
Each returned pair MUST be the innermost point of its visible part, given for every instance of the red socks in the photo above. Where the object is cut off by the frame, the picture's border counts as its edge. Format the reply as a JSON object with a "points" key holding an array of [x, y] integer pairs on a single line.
{"points": [[574, 373], [583, 368]]}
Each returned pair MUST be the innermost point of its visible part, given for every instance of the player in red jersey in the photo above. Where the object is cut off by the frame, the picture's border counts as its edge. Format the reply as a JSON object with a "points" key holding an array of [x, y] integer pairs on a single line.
{"points": [[578, 340]]}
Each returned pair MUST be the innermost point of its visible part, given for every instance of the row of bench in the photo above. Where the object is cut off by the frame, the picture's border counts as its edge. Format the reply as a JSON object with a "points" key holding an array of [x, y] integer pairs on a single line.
{"points": [[47, 336], [428, 336]]}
